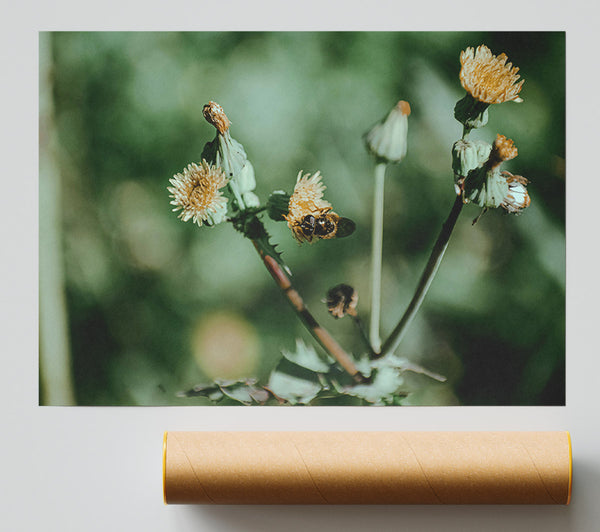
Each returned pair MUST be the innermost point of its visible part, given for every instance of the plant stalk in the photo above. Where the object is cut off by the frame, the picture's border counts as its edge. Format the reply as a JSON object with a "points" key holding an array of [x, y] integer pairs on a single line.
{"points": [[376, 253], [437, 254], [364, 336], [325, 340]]}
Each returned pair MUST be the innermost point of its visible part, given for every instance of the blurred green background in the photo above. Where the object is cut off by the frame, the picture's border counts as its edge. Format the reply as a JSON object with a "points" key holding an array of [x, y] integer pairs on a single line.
{"points": [[136, 305]]}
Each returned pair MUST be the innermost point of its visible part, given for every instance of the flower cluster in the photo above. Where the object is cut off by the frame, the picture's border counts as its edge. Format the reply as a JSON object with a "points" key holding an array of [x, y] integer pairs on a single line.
{"points": [[488, 79]]}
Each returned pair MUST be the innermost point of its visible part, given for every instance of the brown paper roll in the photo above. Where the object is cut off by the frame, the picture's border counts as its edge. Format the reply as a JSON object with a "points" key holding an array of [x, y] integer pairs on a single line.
{"points": [[367, 467]]}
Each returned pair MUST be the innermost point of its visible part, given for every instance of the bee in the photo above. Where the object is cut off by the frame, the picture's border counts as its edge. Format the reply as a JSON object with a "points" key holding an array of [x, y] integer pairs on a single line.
{"points": [[325, 225]]}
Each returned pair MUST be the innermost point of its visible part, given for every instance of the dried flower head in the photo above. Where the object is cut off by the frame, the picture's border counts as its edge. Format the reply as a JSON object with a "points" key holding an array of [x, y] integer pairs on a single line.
{"points": [[503, 149], [196, 192], [489, 78], [214, 114], [341, 300], [517, 197]]}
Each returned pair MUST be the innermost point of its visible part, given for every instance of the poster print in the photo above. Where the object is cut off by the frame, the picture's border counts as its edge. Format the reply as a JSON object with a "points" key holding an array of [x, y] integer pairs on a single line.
{"points": [[302, 218]]}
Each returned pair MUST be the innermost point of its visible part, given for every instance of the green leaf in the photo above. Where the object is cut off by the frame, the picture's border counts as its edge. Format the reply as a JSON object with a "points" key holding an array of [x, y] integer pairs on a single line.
{"points": [[210, 391], [306, 357], [383, 388], [242, 391], [239, 392], [293, 383]]}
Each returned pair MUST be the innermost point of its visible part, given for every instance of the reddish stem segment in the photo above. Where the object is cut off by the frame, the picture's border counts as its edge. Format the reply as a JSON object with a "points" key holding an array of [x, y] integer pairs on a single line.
{"points": [[326, 341]]}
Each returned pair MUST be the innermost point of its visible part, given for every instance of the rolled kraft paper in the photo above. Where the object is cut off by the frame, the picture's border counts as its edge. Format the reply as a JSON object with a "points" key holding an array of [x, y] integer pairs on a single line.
{"points": [[367, 467]]}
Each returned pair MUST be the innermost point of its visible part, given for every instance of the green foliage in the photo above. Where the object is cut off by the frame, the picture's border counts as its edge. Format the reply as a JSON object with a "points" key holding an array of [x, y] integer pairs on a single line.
{"points": [[306, 357], [242, 391], [302, 377]]}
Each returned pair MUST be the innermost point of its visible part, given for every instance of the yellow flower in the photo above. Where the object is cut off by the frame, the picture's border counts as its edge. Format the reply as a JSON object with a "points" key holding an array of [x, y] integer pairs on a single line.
{"points": [[488, 78], [196, 192], [306, 205]]}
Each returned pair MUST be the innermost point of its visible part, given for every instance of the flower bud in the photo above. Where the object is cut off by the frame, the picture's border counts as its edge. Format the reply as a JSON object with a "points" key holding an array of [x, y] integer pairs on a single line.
{"points": [[468, 155], [388, 139]]}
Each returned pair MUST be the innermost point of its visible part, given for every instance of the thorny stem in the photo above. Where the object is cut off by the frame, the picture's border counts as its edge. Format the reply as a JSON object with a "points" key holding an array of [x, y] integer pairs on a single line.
{"points": [[392, 343], [326, 341], [376, 253]]}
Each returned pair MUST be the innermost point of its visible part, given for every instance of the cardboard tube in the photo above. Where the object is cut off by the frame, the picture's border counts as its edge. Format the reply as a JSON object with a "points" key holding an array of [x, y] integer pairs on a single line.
{"points": [[367, 467]]}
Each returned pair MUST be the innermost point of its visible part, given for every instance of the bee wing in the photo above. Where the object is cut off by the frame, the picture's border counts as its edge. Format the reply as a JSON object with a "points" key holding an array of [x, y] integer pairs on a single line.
{"points": [[345, 227]]}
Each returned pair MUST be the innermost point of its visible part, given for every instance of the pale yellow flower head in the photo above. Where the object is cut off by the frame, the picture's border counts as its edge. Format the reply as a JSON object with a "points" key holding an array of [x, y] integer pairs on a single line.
{"points": [[307, 198], [489, 78], [196, 192], [306, 201]]}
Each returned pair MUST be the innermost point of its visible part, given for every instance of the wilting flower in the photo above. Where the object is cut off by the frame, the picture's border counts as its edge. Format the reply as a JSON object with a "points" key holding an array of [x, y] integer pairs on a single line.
{"points": [[486, 185], [503, 149], [341, 300], [197, 193], [517, 197], [488, 78], [214, 114], [388, 139]]}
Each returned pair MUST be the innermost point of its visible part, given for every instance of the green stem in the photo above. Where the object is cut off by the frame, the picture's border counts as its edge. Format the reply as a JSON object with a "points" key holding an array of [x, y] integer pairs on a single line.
{"points": [[437, 254], [364, 336], [376, 253]]}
